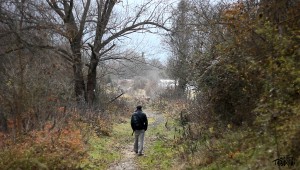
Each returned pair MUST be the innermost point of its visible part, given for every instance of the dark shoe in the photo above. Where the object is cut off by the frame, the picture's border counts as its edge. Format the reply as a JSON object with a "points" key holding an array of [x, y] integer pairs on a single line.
{"points": [[140, 154]]}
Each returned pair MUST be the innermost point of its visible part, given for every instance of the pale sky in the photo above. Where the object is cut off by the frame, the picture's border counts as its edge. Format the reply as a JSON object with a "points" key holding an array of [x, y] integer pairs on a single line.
{"points": [[151, 45]]}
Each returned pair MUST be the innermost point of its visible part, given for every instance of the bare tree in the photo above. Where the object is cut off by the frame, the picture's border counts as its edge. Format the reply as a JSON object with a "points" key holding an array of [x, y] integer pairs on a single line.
{"points": [[180, 44], [30, 73], [97, 26]]}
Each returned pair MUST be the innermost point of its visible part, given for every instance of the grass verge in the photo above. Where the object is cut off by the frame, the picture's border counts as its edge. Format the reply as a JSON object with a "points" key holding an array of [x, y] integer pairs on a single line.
{"points": [[160, 153]]}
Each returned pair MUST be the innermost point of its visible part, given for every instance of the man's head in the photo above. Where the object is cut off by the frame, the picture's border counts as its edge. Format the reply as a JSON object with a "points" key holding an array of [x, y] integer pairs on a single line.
{"points": [[139, 107]]}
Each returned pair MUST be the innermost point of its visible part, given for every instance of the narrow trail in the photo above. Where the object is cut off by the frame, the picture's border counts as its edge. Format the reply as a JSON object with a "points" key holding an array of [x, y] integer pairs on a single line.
{"points": [[128, 160]]}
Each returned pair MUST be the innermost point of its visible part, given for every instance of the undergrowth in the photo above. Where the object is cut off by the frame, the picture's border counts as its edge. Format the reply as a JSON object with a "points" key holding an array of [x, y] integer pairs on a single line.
{"points": [[215, 145], [43, 149], [160, 152]]}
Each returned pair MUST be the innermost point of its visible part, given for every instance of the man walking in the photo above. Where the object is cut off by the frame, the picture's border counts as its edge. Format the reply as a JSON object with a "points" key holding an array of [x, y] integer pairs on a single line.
{"points": [[139, 124]]}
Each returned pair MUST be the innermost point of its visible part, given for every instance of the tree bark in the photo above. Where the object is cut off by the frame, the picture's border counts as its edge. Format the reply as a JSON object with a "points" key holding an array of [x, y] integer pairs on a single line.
{"points": [[91, 79], [79, 84]]}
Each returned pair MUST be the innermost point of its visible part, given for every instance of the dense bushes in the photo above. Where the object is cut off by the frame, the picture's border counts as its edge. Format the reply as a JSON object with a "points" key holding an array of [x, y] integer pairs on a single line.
{"points": [[32, 90], [256, 67], [43, 149], [42, 126], [247, 78]]}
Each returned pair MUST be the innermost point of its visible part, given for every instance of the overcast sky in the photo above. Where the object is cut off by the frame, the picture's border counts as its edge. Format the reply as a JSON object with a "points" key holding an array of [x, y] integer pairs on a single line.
{"points": [[151, 45]]}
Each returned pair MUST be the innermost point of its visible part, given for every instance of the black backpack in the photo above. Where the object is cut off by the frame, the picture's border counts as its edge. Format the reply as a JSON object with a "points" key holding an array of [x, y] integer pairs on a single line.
{"points": [[136, 122]]}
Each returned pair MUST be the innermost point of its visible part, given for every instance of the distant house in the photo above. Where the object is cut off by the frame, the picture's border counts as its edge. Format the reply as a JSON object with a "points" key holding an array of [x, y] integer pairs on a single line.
{"points": [[166, 83]]}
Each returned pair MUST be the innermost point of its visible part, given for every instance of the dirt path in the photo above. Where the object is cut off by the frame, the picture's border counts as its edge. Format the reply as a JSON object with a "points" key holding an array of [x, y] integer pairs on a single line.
{"points": [[128, 160]]}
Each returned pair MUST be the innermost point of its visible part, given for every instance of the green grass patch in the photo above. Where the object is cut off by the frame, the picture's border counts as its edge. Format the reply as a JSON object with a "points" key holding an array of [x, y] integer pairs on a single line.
{"points": [[121, 131], [160, 154], [105, 150], [151, 120], [100, 154]]}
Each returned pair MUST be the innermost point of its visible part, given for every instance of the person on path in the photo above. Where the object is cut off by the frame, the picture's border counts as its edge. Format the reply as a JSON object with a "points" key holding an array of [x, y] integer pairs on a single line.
{"points": [[139, 125]]}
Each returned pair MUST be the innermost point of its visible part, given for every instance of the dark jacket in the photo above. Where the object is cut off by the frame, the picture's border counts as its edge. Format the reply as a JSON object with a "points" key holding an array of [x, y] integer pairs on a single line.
{"points": [[143, 118]]}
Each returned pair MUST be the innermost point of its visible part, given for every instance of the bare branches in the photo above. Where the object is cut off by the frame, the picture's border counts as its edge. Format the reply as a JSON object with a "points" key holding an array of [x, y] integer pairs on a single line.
{"points": [[102, 27], [54, 6], [11, 50], [139, 13], [132, 28], [68, 9], [107, 50], [103, 21], [84, 16]]}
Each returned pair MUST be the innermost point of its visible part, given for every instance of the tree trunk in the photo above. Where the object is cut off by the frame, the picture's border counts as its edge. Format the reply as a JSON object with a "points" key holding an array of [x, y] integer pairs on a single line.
{"points": [[91, 79], [78, 75], [79, 82], [181, 87]]}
